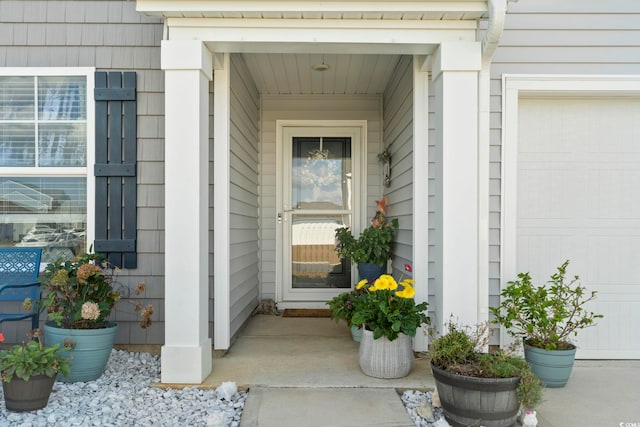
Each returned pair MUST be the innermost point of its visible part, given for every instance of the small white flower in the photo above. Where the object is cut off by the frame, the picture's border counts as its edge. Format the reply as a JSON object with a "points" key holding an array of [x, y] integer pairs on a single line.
{"points": [[90, 311]]}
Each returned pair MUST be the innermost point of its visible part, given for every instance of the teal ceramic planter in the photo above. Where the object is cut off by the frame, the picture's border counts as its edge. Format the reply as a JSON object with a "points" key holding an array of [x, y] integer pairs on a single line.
{"points": [[553, 367], [91, 353], [356, 333], [370, 271]]}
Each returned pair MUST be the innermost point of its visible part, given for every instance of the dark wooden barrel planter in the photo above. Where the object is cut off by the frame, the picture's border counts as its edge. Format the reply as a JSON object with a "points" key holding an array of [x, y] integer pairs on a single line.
{"points": [[23, 396], [471, 401]]}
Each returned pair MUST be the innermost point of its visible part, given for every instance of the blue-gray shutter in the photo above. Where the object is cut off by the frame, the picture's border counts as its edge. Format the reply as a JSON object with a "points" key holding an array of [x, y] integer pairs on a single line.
{"points": [[115, 167]]}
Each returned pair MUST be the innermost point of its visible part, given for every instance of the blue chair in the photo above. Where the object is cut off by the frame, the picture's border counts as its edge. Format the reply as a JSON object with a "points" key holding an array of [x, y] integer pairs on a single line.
{"points": [[19, 269]]}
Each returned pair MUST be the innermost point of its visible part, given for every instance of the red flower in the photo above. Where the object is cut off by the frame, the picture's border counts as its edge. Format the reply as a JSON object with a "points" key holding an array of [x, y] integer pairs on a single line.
{"points": [[407, 267], [1, 337]]}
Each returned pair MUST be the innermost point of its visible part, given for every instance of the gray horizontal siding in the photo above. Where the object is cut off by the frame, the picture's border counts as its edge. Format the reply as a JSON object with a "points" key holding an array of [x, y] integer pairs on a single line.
{"points": [[552, 37], [244, 158]]}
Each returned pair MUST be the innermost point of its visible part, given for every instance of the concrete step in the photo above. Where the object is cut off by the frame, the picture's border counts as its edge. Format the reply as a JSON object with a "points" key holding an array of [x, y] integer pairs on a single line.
{"points": [[324, 407]]}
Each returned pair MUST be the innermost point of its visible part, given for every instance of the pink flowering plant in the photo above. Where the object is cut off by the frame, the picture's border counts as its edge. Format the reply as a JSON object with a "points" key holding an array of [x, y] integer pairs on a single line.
{"points": [[387, 307], [80, 293]]}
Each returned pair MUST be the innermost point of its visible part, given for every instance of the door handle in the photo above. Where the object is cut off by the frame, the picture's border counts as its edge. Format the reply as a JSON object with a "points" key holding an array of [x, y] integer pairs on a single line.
{"points": [[282, 216]]}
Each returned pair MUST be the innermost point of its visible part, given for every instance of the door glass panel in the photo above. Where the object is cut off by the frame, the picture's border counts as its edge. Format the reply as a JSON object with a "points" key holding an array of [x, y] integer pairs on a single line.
{"points": [[314, 262], [320, 202], [321, 173]]}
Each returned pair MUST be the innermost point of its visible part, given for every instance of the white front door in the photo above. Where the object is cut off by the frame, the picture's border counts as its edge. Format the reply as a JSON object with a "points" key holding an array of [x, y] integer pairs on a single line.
{"points": [[320, 191]]}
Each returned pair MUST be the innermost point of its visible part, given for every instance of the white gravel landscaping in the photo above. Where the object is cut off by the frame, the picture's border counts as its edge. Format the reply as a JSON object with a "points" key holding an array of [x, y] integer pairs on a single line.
{"points": [[423, 414], [123, 396]]}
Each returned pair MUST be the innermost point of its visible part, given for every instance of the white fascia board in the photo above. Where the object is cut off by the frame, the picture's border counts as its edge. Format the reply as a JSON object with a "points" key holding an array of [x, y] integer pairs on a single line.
{"points": [[239, 37], [319, 24], [207, 6]]}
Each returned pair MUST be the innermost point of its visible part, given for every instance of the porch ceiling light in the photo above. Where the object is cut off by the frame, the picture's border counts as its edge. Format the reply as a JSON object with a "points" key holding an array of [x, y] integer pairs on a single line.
{"points": [[320, 67]]}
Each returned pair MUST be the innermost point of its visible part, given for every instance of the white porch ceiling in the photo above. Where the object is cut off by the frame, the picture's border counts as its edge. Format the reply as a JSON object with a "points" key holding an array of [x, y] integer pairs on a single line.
{"points": [[280, 40], [292, 74]]}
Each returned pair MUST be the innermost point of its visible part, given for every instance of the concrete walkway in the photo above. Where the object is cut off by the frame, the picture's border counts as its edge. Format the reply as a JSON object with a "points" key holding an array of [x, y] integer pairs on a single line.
{"points": [[335, 407], [304, 372], [600, 393]]}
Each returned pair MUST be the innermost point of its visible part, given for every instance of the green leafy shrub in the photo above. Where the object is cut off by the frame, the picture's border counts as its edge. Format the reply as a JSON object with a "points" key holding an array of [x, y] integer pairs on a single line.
{"points": [[545, 316]]}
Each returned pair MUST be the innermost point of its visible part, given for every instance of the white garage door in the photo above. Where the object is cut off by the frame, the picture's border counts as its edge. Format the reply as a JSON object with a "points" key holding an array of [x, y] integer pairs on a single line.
{"points": [[579, 199]]}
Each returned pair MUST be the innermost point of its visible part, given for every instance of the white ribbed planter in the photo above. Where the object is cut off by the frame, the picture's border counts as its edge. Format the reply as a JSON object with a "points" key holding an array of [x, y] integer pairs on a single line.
{"points": [[382, 358]]}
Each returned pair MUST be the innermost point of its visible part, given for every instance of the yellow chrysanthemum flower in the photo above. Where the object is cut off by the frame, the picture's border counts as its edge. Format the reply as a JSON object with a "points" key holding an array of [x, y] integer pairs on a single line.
{"points": [[386, 281], [361, 284], [408, 281], [407, 292]]}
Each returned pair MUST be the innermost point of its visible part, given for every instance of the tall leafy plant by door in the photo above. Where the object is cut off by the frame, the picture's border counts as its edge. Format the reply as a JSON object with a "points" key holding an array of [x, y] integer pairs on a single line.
{"points": [[373, 246]]}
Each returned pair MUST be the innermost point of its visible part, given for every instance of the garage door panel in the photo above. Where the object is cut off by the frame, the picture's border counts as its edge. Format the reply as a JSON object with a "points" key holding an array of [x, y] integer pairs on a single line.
{"points": [[609, 260], [620, 316], [598, 260], [550, 193], [579, 199], [559, 125], [612, 193]]}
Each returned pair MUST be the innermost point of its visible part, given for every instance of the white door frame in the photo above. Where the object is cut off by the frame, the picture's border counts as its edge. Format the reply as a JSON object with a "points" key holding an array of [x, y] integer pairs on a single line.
{"points": [[357, 129]]}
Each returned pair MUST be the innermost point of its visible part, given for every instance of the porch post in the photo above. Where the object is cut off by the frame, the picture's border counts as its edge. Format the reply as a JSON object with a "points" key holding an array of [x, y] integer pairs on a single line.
{"points": [[455, 77], [186, 355], [421, 191]]}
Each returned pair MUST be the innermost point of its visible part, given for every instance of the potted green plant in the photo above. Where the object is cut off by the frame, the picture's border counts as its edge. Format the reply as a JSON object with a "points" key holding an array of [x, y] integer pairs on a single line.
{"points": [[390, 317], [79, 295], [372, 248], [546, 317], [480, 388], [342, 306], [28, 372]]}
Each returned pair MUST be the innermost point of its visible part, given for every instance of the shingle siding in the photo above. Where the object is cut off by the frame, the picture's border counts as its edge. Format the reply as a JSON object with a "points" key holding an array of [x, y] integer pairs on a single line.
{"points": [[107, 35]]}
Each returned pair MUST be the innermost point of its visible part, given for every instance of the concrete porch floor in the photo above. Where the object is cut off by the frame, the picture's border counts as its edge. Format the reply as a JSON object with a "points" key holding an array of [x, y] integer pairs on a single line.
{"points": [[299, 359], [277, 351]]}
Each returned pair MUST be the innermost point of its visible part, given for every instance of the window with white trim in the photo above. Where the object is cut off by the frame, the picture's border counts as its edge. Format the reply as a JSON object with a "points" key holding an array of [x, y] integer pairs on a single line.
{"points": [[46, 145]]}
